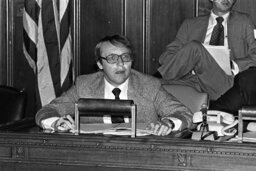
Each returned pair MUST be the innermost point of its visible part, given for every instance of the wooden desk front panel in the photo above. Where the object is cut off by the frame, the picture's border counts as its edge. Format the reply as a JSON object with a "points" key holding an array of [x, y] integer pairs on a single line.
{"points": [[68, 152]]}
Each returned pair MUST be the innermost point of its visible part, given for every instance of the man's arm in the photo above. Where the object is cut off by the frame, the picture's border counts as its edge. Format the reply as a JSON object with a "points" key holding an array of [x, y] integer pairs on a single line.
{"points": [[61, 106], [244, 62], [169, 107]]}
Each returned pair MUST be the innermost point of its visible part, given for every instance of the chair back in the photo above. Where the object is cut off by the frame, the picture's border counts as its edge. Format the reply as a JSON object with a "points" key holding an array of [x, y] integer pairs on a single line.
{"points": [[189, 96], [12, 104]]}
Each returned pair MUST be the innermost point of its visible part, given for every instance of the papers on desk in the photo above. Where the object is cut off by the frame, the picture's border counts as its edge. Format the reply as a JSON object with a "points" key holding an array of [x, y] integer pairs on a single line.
{"points": [[221, 54], [114, 129]]}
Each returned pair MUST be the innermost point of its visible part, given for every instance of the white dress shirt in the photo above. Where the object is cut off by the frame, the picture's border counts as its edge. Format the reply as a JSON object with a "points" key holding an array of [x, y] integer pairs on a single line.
{"points": [[109, 95]]}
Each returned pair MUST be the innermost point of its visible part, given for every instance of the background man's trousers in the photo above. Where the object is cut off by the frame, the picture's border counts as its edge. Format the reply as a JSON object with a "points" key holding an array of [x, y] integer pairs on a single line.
{"points": [[210, 78]]}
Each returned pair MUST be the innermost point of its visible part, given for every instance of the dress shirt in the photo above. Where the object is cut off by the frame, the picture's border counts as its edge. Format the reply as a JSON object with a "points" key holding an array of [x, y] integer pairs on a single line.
{"points": [[211, 24], [109, 95]]}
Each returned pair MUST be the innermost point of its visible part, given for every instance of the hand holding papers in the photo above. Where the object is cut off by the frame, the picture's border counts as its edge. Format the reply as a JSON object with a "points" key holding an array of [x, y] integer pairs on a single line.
{"points": [[221, 54]]}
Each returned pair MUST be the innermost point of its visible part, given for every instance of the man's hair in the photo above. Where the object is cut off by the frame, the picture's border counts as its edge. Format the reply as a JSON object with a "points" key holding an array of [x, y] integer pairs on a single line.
{"points": [[233, 3], [116, 40]]}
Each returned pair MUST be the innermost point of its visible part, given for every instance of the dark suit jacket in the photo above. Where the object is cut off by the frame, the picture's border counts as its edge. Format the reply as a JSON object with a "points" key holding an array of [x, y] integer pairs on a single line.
{"points": [[152, 101], [241, 39]]}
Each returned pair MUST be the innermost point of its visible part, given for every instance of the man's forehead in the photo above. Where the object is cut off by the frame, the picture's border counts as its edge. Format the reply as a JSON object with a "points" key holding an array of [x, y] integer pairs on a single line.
{"points": [[107, 48]]}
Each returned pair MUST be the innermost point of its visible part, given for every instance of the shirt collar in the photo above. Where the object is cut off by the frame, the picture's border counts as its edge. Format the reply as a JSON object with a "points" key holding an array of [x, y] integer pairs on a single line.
{"points": [[123, 87], [214, 16]]}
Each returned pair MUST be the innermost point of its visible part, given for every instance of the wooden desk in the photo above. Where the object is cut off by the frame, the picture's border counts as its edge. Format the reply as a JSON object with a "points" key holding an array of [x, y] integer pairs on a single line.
{"points": [[34, 150]]}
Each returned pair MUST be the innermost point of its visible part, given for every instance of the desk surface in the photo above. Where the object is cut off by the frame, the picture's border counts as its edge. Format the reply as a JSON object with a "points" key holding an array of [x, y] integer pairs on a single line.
{"points": [[31, 149]]}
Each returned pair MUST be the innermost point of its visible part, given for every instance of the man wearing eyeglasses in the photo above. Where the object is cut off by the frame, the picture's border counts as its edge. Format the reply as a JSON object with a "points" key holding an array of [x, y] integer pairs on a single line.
{"points": [[114, 55]]}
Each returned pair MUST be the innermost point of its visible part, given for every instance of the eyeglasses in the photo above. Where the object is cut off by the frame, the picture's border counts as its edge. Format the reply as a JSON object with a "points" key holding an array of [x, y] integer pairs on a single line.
{"points": [[113, 58]]}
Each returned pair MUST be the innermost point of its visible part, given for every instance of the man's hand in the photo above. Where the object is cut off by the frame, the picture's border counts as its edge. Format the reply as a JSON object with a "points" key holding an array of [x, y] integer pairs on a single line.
{"points": [[64, 124], [162, 128]]}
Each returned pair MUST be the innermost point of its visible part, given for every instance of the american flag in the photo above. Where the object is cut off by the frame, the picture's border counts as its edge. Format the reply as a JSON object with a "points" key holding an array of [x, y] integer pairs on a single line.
{"points": [[47, 46]]}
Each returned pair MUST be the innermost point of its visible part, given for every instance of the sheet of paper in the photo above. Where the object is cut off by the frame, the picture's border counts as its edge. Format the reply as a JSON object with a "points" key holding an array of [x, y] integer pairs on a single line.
{"points": [[221, 55], [114, 129]]}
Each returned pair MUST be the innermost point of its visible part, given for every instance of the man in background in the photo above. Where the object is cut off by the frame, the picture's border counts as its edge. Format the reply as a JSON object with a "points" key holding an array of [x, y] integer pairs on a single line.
{"points": [[116, 80], [186, 60]]}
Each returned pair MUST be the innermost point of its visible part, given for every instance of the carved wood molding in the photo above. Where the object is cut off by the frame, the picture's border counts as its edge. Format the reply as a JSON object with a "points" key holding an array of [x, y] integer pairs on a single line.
{"points": [[181, 151]]}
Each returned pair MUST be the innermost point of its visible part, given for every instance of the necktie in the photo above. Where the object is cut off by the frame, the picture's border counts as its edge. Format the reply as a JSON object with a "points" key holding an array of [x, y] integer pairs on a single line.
{"points": [[217, 37], [117, 119], [116, 92]]}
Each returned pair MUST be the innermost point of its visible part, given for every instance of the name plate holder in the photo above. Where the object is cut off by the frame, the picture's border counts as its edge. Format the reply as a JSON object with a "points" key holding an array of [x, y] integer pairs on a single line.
{"points": [[100, 107], [248, 114]]}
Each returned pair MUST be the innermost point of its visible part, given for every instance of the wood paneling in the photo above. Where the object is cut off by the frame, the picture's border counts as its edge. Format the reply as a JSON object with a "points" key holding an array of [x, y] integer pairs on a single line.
{"points": [[23, 75], [19, 74], [98, 19], [149, 24], [134, 24], [3, 66], [165, 19]]}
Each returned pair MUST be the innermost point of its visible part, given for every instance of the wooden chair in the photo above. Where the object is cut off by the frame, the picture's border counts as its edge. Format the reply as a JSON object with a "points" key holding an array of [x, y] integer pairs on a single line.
{"points": [[12, 104]]}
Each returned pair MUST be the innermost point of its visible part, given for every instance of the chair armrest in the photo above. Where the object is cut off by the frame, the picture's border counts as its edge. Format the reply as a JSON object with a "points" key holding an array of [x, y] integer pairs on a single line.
{"points": [[18, 124]]}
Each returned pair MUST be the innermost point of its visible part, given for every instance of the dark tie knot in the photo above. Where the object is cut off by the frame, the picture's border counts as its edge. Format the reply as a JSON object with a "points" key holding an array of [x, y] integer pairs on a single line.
{"points": [[116, 92], [219, 20]]}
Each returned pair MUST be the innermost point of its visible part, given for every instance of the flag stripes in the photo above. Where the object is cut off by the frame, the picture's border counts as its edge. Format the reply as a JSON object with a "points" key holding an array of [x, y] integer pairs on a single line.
{"points": [[30, 20], [47, 45], [65, 43]]}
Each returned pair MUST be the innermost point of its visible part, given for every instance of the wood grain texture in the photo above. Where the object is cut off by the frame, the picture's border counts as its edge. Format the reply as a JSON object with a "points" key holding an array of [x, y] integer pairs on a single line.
{"points": [[3, 38], [98, 19], [165, 19], [38, 151]]}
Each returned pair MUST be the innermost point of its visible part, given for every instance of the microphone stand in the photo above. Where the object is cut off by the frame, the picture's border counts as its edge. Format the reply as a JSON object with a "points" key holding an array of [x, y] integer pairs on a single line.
{"points": [[204, 126]]}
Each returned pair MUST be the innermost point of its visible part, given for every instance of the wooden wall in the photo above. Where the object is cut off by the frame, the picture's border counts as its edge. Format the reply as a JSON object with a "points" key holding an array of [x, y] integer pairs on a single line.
{"points": [[150, 25], [15, 70], [3, 66]]}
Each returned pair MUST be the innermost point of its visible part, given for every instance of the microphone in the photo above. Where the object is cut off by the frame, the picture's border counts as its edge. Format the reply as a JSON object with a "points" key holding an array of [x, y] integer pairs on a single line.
{"points": [[204, 109], [204, 126]]}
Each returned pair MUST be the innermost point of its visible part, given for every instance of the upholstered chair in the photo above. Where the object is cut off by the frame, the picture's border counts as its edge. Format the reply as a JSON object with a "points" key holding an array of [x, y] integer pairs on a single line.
{"points": [[12, 104]]}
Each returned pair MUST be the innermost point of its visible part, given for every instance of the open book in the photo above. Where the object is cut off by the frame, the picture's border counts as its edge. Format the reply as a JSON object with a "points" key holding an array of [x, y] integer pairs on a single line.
{"points": [[114, 129], [221, 54]]}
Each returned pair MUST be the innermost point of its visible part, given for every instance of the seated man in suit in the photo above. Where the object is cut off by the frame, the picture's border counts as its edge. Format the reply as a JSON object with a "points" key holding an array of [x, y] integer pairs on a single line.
{"points": [[114, 56], [186, 60]]}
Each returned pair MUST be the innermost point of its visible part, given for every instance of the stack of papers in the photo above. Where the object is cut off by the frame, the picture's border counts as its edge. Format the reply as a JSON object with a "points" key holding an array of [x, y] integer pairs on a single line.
{"points": [[114, 129], [221, 54]]}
